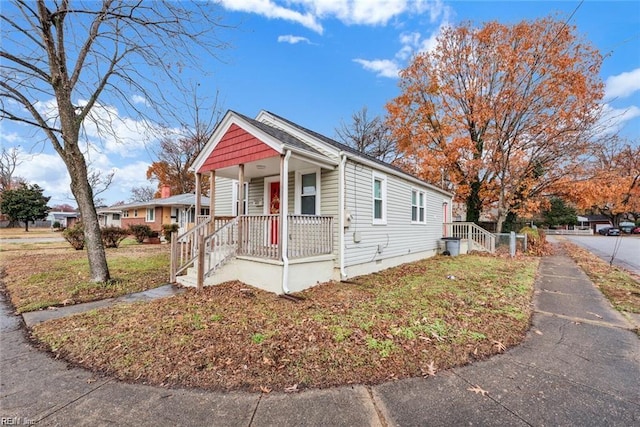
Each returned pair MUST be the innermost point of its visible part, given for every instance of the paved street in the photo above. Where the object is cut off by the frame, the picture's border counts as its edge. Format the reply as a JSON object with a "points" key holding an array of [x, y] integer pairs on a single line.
{"points": [[625, 250]]}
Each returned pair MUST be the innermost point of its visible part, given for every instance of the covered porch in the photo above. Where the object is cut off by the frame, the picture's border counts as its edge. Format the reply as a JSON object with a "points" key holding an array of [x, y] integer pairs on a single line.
{"points": [[276, 204]]}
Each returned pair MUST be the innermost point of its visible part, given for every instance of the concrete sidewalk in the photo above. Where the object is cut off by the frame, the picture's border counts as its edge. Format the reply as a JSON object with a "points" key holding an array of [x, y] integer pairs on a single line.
{"points": [[580, 365]]}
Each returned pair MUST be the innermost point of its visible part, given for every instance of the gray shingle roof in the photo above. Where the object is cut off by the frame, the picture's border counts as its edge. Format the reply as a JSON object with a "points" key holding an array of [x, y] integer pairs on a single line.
{"points": [[280, 135], [186, 199]]}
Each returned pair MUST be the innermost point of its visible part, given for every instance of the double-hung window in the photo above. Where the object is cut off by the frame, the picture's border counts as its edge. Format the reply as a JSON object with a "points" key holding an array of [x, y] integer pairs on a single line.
{"points": [[418, 200], [379, 199], [307, 189], [151, 215]]}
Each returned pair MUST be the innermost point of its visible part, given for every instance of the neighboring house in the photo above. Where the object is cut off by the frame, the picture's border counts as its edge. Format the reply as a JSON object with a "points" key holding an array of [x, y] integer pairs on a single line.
{"points": [[110, 217], [179, 209], [65, 219], [312, 210], [594, 222]]}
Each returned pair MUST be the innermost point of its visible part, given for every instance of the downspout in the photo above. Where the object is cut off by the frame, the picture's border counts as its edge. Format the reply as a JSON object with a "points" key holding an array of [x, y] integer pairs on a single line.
{"points": [[341, 212], [284, 201]]}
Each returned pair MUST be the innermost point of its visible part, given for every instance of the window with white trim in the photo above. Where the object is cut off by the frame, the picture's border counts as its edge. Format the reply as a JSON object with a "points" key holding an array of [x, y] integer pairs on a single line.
{"points": [[151, 215], [116, 217], [135, 213], [379, 199], [307, 190], [418, 200], [125, 214]]}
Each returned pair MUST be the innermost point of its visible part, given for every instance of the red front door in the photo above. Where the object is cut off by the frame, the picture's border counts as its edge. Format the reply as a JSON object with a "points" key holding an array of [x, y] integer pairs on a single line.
{"points": [[274, 209]]}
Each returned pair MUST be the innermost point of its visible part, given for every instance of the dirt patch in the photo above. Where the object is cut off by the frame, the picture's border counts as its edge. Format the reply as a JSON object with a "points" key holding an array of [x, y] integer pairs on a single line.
{"points": [[412, 320]]}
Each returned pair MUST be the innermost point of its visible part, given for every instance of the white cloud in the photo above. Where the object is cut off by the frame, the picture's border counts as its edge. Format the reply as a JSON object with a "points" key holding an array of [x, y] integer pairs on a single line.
{"points": [[359, 12], [614, 119], [270, 9], [382, 67], [411, 43], [106, 128], [12, 138], [623, 85], [49, 172], [309, 13], [291, 39], [126, 178], [140, 100]]}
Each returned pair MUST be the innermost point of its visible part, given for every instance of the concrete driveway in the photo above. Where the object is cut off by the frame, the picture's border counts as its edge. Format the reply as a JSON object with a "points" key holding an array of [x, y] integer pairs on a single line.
{"points": [[623, 250]]}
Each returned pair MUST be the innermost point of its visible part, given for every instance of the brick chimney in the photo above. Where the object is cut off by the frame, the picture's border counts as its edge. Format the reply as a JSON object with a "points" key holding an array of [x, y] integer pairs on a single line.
{"points": [[165, 191]]}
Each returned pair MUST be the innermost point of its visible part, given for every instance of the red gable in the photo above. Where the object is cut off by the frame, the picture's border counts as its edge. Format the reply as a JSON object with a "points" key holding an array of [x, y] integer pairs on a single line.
{"points": [[237, 146]]}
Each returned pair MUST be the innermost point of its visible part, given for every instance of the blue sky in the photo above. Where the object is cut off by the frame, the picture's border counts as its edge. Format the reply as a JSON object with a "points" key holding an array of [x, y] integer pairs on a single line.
{"points": [[316, 62]]}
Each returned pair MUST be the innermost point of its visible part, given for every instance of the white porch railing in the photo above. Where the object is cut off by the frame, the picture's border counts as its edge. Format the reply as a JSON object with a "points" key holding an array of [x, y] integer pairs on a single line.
{"points": [[477, 237], [209, 244], [184, 247], [309, 235], [220, 246]]}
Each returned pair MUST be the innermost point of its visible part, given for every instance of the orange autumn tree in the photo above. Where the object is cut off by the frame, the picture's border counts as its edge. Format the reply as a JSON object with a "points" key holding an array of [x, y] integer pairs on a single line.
{"points": [[611, 183], [501, 112]]}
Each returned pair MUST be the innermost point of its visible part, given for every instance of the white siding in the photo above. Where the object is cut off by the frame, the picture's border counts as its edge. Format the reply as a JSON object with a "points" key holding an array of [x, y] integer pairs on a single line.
{"points": [[224, 191], [256, 196], [399, 237], [329, 199]]}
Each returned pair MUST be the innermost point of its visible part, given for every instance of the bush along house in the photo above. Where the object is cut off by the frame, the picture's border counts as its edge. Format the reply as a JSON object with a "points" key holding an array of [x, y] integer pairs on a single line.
{"points": [[290, 208]]}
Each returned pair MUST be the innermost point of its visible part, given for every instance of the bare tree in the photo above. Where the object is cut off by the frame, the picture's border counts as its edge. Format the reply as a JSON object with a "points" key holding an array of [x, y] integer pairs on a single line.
{"points": [[369, 136], [177, 152], [142, 194], [62, 61], [9, 161]]}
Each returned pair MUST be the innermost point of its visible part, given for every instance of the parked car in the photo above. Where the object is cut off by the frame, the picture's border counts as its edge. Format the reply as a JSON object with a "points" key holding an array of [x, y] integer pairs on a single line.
{"points": [[627, 229], [609, 231], [635, 230]]}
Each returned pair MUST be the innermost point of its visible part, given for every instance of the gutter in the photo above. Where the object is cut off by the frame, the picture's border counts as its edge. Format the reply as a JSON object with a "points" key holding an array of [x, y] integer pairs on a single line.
{"points": [[341, 211], [285, 225]]}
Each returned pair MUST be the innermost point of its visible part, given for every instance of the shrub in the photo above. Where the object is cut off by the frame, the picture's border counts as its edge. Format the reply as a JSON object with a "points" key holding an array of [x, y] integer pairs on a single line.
{"points": [[167, 229], [140, 231], [536, 241], [112, 236], [56, 225], [75, 236]]}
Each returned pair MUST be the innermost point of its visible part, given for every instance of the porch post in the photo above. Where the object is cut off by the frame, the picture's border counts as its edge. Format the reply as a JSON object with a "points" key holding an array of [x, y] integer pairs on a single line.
{"points": [[212, 194], [241, 190], [198, 194], [241, 240], [283, 204], [212, 201]]}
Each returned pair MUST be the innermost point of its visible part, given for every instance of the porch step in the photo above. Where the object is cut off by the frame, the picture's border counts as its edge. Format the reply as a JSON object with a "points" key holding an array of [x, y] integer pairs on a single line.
{"points": [[188, 280]]}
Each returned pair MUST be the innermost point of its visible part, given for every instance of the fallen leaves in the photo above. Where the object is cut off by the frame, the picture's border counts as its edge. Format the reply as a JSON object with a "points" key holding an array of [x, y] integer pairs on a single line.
{"points": [[265, 390], [430, 371], [387, 327], [292, 389], [478, 390]]}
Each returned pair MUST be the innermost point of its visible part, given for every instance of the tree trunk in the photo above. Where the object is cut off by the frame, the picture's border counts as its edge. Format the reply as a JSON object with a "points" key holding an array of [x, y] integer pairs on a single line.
{"points": [[474, 203], [26, 225], [83, 194]]}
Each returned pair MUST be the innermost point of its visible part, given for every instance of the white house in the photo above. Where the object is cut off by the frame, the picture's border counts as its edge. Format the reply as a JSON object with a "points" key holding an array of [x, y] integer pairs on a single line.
{"points": [[109, 216], [346, 213]]}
